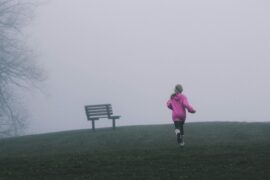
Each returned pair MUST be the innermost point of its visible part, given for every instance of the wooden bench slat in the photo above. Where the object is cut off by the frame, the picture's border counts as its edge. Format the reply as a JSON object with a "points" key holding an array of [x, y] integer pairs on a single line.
{"points": [[97, 111], [96, 118], [99, 114], [99, 105]]}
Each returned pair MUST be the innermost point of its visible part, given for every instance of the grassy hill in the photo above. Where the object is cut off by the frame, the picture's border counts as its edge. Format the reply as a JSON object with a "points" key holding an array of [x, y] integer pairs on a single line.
{"points": [[213, 150]]}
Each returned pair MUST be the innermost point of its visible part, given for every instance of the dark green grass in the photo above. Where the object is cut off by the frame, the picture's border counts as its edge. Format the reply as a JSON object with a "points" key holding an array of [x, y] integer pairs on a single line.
{"points": [[213, 151]]}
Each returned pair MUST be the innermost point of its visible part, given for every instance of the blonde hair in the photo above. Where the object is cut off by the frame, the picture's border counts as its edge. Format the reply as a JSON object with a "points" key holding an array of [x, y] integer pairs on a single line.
{"points": [[178, 88]]}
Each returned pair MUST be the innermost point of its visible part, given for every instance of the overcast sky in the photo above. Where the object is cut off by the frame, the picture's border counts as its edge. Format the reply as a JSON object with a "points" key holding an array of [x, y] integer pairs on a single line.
{"points": [[131, 53]]}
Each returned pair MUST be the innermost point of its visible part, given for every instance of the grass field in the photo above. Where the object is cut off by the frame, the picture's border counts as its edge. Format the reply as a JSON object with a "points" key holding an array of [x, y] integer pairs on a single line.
{"points": [[213, 150]]}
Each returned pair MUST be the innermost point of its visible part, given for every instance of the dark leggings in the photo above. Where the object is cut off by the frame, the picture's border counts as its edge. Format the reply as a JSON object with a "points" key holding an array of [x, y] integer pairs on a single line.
{"points": [[179, 125]]}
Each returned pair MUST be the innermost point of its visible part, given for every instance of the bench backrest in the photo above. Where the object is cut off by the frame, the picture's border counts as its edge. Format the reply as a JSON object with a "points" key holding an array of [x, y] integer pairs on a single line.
{"points": [[98, 111]]}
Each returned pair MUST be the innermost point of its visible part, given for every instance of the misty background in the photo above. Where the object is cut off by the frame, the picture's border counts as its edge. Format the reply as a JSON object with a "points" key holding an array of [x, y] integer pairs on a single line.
{"points": [[132, 53]]}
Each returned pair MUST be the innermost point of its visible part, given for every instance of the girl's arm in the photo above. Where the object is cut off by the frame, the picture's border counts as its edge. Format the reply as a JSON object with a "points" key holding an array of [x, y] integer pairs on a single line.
{"points": [[169, 104], [187, 105]]}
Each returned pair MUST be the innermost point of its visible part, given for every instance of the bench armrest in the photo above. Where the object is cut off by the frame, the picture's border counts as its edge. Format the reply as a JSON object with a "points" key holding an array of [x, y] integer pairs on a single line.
{"points": [[93, 119], [114, 117]]}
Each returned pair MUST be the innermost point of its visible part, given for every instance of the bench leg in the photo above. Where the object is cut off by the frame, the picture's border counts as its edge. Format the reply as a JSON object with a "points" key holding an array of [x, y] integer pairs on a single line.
{"points": [[113, 123], [93, 125]]}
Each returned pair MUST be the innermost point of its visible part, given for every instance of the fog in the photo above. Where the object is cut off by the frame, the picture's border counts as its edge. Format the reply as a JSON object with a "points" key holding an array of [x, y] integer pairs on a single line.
{"points": [[132, 53]]}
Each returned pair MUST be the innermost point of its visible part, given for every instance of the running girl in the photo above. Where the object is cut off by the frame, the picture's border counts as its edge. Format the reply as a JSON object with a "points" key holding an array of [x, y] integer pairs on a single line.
{"points": [[178, 103]]}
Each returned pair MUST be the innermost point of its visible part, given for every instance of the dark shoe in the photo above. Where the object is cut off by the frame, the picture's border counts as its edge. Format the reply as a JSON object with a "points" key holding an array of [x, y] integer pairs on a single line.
{"points": [[182, 141], [179, 139]]}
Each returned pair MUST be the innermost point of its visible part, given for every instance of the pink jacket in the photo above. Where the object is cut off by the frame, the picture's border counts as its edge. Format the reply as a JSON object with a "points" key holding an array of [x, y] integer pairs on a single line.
{"points": [[178, 104]]}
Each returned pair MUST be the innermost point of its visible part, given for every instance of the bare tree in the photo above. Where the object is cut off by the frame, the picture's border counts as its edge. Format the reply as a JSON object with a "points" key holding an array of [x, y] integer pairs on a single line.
{"points": [[18, 68]]}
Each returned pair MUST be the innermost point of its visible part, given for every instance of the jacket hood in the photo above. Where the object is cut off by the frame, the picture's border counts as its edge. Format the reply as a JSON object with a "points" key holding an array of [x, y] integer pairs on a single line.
{"points": [[176, 96]]}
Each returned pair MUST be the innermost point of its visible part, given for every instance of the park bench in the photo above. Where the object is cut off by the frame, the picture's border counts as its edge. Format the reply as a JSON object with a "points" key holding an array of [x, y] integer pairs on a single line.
{"points": [[95, 112]]}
